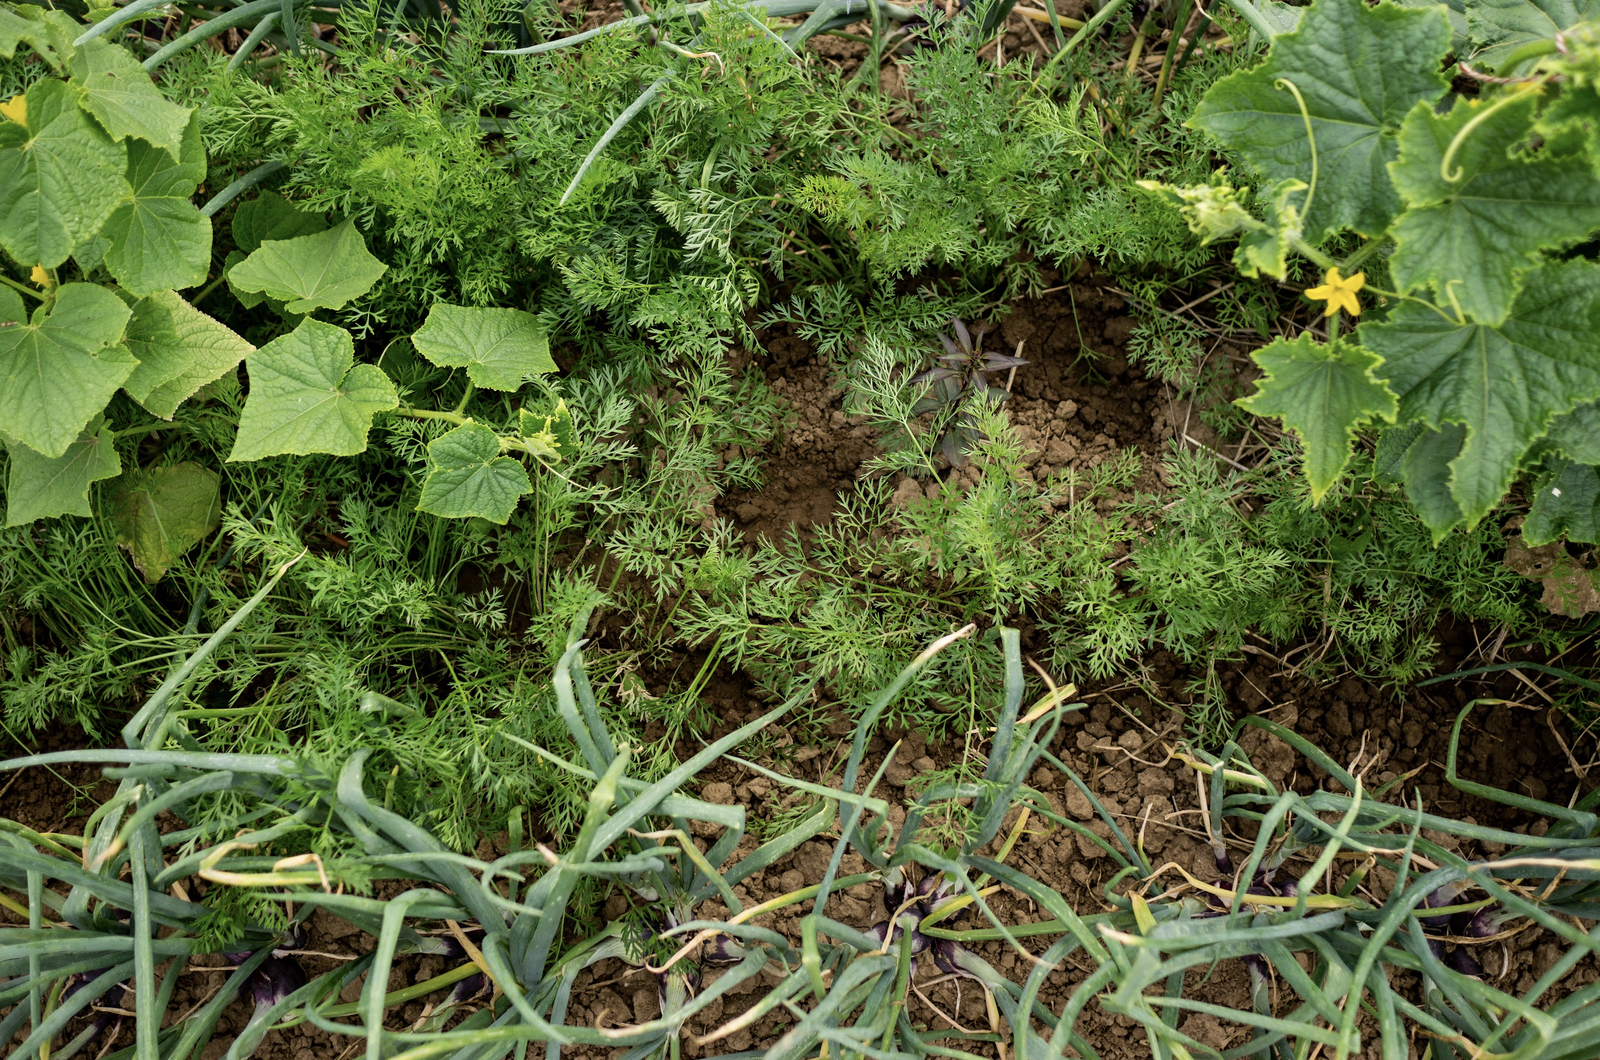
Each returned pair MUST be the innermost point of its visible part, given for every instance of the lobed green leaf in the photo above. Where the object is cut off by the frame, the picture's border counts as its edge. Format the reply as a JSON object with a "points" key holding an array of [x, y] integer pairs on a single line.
{"points": [[307, 395], [468, 476], [497, 347], [180, 349], [319, 271], [60, 369], [42, 487]]}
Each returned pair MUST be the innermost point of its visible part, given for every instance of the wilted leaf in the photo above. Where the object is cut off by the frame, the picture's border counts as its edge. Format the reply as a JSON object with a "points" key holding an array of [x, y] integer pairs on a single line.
{"points": [[468, 476], [307, 395], [159, 515], [1569, 589]]}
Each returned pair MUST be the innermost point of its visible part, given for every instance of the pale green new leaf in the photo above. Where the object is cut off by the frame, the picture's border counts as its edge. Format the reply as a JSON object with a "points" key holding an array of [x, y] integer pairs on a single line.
{"points": [[60, 369], [324, 270], [60, 177], [121, 96], [158, 238], [1426, 471], [307, 395], [49, 33], [1474, 238], [1577, 434], [180, 349], [1359, 69], [1503, 384], [497, 347], [1566, 503], [159, 515], [467, 476], [271, 216], [1500, 27], [1323, 393], [41, 487]]}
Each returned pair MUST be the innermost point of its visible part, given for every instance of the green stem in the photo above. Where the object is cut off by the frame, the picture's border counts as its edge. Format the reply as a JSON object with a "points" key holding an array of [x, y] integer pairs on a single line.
{"points": [[30, 292], [466, 396], [207, 289], [1355, 260], [1311, 139], [139, 432], [429, 414]]}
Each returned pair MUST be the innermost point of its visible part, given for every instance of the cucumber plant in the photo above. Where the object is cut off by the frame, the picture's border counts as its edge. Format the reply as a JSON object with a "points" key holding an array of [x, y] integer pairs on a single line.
{"points": [[98, 173], [1477, 205]]}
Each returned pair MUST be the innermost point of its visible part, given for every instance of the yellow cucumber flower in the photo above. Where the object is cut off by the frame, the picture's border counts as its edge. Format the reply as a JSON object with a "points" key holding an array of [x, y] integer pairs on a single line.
{"points": [[1339, 292]]}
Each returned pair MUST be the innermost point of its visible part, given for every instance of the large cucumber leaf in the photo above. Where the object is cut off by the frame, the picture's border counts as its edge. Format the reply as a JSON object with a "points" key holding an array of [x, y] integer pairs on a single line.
{"points": [[271, 216], [121, 96], [48, 33], [42, 487], [467, 476], [307, 395], [320, 271], [1359, 70], [1566, 503], [158, 237], [1503, 384], [1323, 393], [1577, 434], [1426, 471], [60, 176], [180, 350], [62, 367], [1474, 238], [497, 347], [1500, 27], [159, 515]]}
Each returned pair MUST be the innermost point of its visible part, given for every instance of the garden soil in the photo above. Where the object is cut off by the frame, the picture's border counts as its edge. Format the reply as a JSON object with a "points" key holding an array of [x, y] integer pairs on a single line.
{"points": [[1077, 403]]}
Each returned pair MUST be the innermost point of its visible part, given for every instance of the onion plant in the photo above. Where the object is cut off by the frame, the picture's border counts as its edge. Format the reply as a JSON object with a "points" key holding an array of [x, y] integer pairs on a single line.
{"points": [[1296, 899]]}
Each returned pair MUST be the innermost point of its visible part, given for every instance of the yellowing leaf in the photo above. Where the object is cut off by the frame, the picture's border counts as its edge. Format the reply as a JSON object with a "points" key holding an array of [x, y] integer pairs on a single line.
{"points": [[159, 515], [15, 109]]}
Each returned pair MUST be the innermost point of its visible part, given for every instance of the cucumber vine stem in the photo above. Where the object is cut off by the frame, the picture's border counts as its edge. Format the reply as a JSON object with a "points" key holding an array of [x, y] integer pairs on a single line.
{"points": [[1476, 120]]}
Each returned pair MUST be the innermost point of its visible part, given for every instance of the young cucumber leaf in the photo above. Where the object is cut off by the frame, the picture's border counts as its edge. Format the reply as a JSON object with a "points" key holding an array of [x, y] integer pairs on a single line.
{"points": [[307, 395], [1500, 27], [320, 271], [1322, 393], [60, 369], [1566, 503], [1472, 239], [121, 96], [48, 33], [468, 476], [160, 514], [158, 239], [271, 216], [40, 487], [551, 429], [60, 176], [497, 347], [1359, 70], [1503, 384], [180, 349]]}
